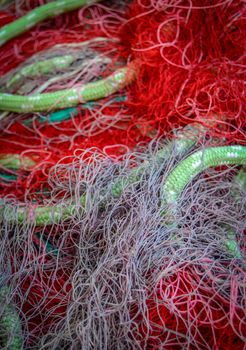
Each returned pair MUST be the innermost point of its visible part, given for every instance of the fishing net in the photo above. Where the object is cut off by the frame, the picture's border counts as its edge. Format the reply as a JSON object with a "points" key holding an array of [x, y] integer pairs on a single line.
{"points": [[103, 243]]}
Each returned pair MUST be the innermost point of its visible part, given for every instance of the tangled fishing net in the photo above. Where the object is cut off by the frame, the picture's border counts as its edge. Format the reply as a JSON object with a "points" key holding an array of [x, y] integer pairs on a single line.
{"points": [[122, 214], [117, 274]]}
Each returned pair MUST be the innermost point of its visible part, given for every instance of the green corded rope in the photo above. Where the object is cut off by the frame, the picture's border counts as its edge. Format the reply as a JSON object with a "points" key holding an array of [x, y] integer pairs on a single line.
{"points": [[39, 14], [47, 215], [58, 63], [69, 97], [43, 67], [10, 325], [173, 187], [184, 172]]}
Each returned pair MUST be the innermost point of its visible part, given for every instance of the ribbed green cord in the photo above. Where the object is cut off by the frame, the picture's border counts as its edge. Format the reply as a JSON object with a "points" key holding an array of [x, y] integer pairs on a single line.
{"points": [[173, 187], [184, 172], [69, 97], [10, 325], [43, 67], [39, 14]]}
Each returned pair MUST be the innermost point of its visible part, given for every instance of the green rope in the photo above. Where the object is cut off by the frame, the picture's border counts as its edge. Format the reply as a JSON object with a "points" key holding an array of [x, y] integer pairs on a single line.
{"points": [[69, 97], [39, 14], [172, 189], [39, 68], [47, 215], [184, 172], [10, 325]]}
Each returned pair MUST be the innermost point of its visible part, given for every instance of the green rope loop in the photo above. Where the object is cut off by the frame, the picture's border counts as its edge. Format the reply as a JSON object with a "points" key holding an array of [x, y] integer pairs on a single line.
{"points": [[184, 172], [36, 69]]}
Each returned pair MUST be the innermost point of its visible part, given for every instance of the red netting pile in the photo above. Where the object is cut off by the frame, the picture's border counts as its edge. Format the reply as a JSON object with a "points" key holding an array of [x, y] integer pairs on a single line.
{"points": [[191, 58]]}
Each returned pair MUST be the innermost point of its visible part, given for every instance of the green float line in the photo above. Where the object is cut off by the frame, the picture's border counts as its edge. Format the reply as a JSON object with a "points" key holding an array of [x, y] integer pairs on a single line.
{"points": [[39, 68], [10, 325], [57, 63], [69, 97], [184, 172], [39, 14], [47, 215], [173, 187]]}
